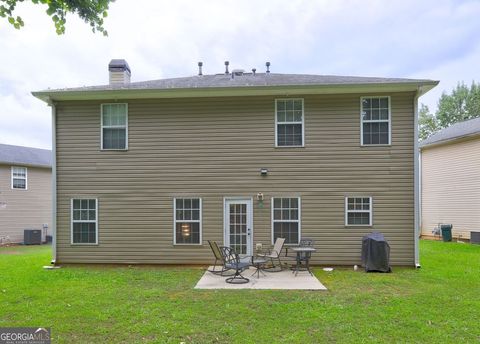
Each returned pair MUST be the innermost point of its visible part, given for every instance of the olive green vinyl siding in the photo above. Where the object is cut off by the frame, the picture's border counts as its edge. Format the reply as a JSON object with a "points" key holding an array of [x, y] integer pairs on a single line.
{"points": [[451, 187], [23, 209], [213, 148]]}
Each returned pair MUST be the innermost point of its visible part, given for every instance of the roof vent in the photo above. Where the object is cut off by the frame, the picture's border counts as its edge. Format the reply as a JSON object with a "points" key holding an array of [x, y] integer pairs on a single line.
{"points": [[226, 67], [268, 67], [238, 72], [119, 72], [254, 70], [200, 64]]}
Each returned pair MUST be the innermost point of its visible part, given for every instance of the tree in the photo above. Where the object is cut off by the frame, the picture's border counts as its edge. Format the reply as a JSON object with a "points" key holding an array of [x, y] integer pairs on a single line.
{"points": [[462, 104], [427, 123], [92, 12]]}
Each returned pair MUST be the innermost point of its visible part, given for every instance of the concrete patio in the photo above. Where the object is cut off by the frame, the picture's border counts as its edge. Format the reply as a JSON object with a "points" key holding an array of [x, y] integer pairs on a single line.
{"points": [[271, 280]]}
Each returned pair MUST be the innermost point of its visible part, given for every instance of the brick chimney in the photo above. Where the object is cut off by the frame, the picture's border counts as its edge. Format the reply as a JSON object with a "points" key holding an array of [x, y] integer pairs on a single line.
{"points": [[119, 72]]}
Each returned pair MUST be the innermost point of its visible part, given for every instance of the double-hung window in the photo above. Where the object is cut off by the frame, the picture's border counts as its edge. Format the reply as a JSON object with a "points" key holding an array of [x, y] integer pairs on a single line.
{"points": [[19, 178], [289, 123], [286, 219], [188, 221], [84, 214], [375, 117], [358, 211], [114, 126]]}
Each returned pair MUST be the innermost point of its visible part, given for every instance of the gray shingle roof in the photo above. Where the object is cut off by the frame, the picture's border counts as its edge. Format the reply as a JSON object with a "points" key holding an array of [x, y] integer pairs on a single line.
{"points": [[25, 156], [249, 80], [455, 131]]}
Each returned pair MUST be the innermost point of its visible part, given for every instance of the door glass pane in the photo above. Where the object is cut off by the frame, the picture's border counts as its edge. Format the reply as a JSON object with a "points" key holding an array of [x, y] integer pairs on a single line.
{"points": [[238, 228]]}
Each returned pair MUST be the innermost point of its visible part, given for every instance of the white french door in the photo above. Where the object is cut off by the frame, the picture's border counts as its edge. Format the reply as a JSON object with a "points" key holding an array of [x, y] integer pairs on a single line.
{"points": [[238, 225]]}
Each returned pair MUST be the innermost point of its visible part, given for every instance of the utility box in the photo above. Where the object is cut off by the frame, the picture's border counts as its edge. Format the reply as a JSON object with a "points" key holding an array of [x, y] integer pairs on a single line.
{"points": [[32, 236], [475, 238]]}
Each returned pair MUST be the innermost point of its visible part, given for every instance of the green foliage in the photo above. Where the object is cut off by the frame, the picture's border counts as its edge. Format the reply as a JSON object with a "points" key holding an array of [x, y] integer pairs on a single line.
{"points": [[462, 104], [105, 304], [427, 123], [92, 12]]}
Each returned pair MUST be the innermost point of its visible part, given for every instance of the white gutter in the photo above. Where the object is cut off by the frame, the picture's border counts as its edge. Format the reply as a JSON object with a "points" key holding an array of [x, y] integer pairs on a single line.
{"points": [[54, 181], [416, 172]]}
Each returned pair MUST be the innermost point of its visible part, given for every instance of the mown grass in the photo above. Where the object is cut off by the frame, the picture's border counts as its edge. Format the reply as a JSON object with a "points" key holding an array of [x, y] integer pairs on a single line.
{"points": [[437, 304]]}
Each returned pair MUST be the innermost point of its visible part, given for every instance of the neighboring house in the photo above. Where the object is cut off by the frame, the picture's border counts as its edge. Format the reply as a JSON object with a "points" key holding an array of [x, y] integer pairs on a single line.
{"points": [[147, 172], [25, 191], [450, 165]]}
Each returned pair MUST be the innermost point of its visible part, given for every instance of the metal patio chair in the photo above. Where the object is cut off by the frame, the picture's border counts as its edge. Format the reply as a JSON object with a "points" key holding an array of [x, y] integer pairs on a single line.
{"points": [[274, 254], [232, 261], [217, 253]]}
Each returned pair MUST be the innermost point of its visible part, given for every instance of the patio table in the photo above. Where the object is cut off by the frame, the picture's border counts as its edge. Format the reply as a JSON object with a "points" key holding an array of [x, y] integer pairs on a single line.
{"points": [[258, 263], [307, 253]]}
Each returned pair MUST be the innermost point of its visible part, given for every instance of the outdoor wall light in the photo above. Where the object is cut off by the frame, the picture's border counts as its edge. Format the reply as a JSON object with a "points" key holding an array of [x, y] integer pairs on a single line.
{"points": [[260, 199], [263, 171], [185, 230]]}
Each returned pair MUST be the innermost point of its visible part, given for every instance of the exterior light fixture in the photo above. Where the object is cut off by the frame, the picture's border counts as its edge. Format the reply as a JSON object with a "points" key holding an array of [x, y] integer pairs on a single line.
{"points": [[260, 199], [263, 171], [259, 196]]}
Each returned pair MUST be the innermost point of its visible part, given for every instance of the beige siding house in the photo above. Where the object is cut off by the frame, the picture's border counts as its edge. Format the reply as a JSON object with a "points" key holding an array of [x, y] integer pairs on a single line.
{"points": [[450, 165], [25, 192], [148, 172]]}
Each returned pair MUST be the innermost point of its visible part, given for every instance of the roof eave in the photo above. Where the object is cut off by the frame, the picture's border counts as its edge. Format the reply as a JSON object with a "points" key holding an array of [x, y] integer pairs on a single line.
{"points": [[449, 140], [289, 90], [19, 163]]}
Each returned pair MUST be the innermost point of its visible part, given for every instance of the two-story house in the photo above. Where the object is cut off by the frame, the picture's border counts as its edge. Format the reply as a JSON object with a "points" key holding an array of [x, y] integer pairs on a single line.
{"points": [[147, 172], [25, 192]]}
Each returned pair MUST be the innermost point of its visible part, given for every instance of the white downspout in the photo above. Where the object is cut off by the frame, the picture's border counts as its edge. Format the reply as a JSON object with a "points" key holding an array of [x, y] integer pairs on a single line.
{"points": [[416, 169], [54, 181]]}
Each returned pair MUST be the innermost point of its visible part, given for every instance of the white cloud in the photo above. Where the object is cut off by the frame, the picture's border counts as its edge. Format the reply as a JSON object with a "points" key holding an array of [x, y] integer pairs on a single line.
{"points": [[424, 39]]}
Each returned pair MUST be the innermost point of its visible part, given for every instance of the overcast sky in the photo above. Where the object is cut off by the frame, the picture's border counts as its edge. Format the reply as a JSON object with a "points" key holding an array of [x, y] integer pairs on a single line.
{"points": [[408, 38]]}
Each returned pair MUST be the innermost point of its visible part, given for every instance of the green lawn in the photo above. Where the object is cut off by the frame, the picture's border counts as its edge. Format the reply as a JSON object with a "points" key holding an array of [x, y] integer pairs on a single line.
{"points": [[436, 304]]}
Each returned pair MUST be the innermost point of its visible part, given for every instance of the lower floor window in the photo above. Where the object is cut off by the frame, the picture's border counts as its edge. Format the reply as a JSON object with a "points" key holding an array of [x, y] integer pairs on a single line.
{"points": [[187, 215], [358, 211], [84, 221], [286, 219]]}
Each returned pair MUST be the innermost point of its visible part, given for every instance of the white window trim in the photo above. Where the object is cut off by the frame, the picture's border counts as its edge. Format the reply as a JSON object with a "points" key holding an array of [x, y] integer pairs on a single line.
{"points": [[370, 211], [376, 121], [26, 178], [113, 127], [72, 221], [302, 122], [299, 219], [200, 221]]}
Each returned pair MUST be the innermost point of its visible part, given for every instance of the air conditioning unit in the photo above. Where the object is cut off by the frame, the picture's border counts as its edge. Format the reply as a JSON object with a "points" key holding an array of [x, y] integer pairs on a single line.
{"points": [[32, 236], [475, 238]]}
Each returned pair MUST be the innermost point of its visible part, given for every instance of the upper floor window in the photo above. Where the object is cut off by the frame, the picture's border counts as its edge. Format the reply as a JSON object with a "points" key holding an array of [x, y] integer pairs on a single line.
{"points": [[286, 219], [19, 178], [289, 123], [84, 221], [188, 221], [358, 211], [114, 126], [375, 116]]}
